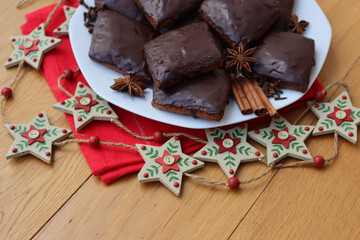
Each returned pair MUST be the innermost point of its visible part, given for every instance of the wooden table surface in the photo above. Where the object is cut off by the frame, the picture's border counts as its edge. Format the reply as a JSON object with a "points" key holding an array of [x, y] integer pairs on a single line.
{"points": [[65, 201]]}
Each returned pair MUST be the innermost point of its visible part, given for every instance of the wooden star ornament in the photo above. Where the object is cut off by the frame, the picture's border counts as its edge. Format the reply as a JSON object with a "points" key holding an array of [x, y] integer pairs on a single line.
{"points": [[283, 139], [31, 48], [35, 138], [339, 116], [166, 164], [63, 29], [86, 106], [228, 149]]}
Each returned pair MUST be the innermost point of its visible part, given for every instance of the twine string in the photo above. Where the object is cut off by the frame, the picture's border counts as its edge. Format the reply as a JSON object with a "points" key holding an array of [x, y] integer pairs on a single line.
{"points": [[23, 3], [48, 20], [61, 87]]}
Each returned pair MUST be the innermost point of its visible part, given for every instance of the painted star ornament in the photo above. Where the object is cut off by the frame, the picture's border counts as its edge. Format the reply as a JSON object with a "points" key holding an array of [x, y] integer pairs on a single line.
{"points": [[86, 106], [35, 138], [228, 149], [283, 139], [31, 48], [63, 29], [166, 164], [339, 116]]}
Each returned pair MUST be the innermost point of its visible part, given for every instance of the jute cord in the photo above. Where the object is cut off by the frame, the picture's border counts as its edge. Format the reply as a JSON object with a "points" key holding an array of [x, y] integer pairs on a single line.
{"points": [[61, 87]]}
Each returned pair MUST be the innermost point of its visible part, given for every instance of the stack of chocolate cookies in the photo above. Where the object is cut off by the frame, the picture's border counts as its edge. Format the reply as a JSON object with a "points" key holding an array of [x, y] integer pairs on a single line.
{"points": [[180, 46]]}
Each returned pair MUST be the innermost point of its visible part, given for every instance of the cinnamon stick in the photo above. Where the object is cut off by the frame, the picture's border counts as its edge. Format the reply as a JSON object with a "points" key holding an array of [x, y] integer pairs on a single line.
{"points": [[271, 110], [254, 99], [240, 98]]}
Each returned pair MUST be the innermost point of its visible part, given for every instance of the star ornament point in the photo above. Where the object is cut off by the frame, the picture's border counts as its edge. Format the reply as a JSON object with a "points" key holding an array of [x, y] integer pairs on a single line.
{"points": [[31, 48], [63, 29], [339, 115], [283, 139], [166, 164], [228, 149], [86, 106], [35, 138]]}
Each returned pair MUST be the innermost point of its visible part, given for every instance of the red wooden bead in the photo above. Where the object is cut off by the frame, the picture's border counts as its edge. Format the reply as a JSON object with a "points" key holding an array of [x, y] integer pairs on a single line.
{"points": [[176, 184], [316, 105], [203, 152], [79, 119], [59, 29], [108, 112], [9, 59], [233, 183], [48, 154], [40, 115], [14, 150], [67, 9], [344, 97], [94, 141], [64, 131], [304, 151], [143, 147], [13, 40], [6, 92], [52, 40], [242, 126], [257, 131], [321, 128], [39, 28], [158, 136], [319, 161], [320, 96], [34, 60], [194, 162], [277, 116], [231, 171], [12, 127], [146, 175], [275, 155], [176, 138], [257, 153], [68, 74], [351, 134], [307, 128], [62, 103], [81, 85]]}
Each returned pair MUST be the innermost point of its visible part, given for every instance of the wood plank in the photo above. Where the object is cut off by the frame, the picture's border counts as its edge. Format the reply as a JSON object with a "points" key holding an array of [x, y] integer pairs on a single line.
{"points": [[31, 191], [309, 203]]}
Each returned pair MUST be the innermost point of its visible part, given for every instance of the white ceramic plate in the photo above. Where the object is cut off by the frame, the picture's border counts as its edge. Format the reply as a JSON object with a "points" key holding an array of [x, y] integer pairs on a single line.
{"points": [[100, 78]]}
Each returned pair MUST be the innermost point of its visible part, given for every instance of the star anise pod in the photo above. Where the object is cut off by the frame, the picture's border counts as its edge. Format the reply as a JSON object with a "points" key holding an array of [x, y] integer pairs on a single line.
{"points": [[133, 85], [295, 26], [240, 58]]}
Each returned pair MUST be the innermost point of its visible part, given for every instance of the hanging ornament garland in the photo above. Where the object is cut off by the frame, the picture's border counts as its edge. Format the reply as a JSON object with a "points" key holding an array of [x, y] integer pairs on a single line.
{"points": [[168, 163]]}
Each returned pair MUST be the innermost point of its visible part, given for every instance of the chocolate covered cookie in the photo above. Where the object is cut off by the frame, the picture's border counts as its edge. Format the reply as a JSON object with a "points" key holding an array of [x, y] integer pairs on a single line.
{"points": [[204, 96], [124, 7], [240, 21], [286, 56], [164, 13], [182, 53], [118, 42]]}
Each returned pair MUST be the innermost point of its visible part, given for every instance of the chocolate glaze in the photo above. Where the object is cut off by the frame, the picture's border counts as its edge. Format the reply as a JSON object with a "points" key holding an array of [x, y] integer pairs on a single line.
{"points": [[207, 93], [286, 56], [182, 53], [124, 7], [120, 47], [163, 13], [282, 22], [240, 20]]}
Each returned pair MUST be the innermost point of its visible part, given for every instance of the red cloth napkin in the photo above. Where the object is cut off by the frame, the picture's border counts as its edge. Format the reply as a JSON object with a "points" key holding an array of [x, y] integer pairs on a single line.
{"points": [[109, 162]]}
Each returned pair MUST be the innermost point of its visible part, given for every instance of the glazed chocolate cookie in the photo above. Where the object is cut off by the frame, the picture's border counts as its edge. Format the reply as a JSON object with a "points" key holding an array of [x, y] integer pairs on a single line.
{"points": [[240, 21], [282, 22], [182, 53], [205, 96], [124, 7], [121, 47], [286, 56], [164, 13]]}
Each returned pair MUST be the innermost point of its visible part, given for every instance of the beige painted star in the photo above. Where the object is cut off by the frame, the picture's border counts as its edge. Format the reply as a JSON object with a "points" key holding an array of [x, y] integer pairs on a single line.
{"points": [[339, 116], [86, 106], [35, 138], [63, 29], [31, 48], [166, 164], [228, 149], [283, 139]]}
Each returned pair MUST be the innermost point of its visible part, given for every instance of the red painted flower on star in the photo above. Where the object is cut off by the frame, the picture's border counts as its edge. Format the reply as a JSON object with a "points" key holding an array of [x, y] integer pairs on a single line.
{"points": [[282, 137], [168, 162], [227, 144], [85, 102], [341, 116], [34, 135], [29, 45]]}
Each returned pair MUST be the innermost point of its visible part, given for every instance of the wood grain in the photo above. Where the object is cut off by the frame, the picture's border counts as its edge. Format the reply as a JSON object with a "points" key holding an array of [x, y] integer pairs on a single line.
{"points": [[64, 201]]}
